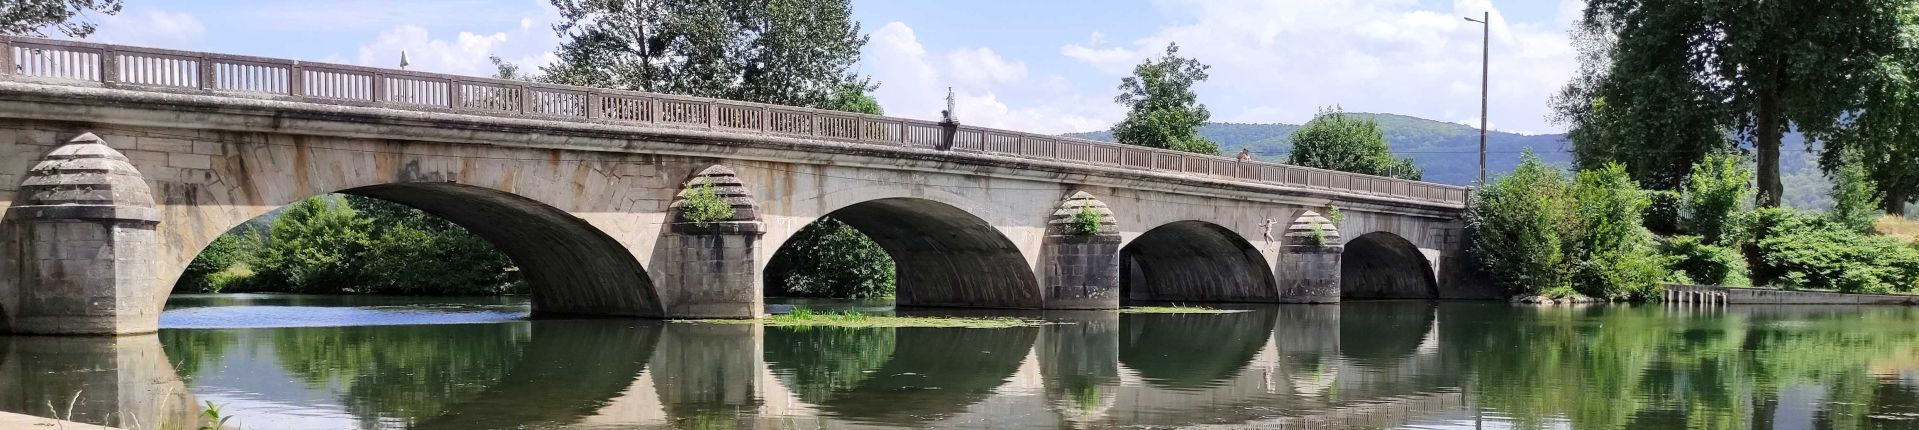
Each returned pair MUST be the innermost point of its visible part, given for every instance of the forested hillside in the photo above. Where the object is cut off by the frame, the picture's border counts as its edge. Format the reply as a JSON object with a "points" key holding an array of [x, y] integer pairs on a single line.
{"points": [[1449, 152]]}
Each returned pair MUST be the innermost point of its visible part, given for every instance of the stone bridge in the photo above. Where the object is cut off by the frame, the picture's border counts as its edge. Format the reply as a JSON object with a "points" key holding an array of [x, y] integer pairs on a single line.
{"points": [[119, 164]]}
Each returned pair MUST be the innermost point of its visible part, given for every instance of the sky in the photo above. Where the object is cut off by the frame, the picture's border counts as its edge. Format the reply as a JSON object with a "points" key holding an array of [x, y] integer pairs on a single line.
{"points": [[1037, 66]]}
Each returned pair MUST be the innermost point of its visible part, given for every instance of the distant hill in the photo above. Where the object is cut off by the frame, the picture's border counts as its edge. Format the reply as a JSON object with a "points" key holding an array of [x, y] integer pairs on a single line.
{"points": [[1448, 152]]}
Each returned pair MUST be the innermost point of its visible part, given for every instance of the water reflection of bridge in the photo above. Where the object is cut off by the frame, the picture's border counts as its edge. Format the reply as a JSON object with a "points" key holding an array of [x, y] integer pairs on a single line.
{"points": [[1362, 363]]}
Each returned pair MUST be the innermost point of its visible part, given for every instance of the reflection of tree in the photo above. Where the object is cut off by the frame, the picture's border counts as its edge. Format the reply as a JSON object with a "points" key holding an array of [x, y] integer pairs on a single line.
{"points": [[1651, 368], [815, 362], [192, 350], [402, 373], [570, 369], [1192, 350], [933, 373]]}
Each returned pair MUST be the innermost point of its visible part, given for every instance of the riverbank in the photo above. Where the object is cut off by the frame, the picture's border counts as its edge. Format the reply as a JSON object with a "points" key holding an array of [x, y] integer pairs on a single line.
{"points": [[20, 421]]}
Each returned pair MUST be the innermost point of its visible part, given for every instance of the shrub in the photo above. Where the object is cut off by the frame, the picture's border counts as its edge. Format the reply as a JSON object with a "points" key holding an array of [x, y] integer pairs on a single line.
{"points": [[1518, 220], [1694, 261], [1717, 192], [1799, 250], [1855, 199], [829, 258], [1662, 215], [704, 205], [1612, 248], [1086, 222]]}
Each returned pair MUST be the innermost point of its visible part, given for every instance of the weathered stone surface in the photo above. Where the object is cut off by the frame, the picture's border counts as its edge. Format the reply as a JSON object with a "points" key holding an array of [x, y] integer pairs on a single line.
{"points": [[1082, 269], [585, 209], [89, 220]]}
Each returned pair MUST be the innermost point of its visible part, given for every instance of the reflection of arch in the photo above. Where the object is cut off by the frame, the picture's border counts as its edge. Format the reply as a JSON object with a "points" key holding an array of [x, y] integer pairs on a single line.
{"points": [[934, 373], [1382, 265], [567, 371], [1192, 350], [1194, 260], [570, 266], [1383, 333], [944, 255]]}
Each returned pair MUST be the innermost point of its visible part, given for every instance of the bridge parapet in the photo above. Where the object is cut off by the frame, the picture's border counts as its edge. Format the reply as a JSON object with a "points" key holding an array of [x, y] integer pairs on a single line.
{"points": [[161, 70]]}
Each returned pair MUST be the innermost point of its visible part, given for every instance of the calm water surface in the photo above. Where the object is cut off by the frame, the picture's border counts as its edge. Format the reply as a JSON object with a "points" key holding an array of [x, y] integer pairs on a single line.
{"points": [[293, 362]]}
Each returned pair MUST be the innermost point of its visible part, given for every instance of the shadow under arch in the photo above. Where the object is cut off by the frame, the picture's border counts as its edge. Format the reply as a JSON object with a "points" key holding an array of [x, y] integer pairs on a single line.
{"points": [[944, 256], [570, 266], [1196, 261], [1193, 350], [1383, 265]]}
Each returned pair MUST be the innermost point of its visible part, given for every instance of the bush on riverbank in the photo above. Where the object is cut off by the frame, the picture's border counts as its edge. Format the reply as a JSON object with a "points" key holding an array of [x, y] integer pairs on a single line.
{"points": [[355, 245], [1537, 233], [1542, 234]]}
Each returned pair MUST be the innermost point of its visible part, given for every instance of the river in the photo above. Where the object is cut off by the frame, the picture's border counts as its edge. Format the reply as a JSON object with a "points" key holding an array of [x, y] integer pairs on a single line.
{"points": [[305, 362]]}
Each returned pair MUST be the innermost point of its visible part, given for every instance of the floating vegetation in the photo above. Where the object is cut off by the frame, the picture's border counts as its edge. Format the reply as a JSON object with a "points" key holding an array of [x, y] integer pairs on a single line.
{"points": [[802, 317], [1176, 310]]}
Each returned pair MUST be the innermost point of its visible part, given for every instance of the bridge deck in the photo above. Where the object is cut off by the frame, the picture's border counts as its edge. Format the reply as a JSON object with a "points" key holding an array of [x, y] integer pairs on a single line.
{"points": [[160, 70]]}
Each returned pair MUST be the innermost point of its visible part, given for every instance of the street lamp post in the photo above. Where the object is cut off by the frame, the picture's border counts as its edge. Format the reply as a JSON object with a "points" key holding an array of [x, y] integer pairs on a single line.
{"points": [[1485, 62]]}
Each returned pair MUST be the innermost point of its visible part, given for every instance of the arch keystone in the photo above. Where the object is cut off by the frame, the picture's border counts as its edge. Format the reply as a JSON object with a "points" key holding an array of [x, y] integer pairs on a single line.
{"points": [[90, 243], [1082, 268]]}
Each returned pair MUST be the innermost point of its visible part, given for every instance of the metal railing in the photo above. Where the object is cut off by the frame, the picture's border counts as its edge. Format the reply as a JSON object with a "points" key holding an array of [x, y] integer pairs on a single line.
{"points": [[126, 67]]}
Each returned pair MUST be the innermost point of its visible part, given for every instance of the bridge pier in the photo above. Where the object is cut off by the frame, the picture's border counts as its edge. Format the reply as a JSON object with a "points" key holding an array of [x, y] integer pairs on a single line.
{"points": [[710, 266], [86, 231], [1082, 267], [1309, 260]]}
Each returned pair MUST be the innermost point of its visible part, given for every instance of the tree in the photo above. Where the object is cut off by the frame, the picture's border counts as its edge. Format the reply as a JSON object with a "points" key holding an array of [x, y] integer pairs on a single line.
{"points": [[1519, 224], [788, 52], [1882, 137], [1718, 190], [1763, 66], [1855, 200], [1645, 113], [1163, 111], [35, 17], [1339, 141]]}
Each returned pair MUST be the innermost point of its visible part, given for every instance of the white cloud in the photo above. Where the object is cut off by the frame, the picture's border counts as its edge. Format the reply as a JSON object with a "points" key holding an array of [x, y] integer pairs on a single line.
{"points": [[152, 28], [528, 44], [913, 83], [1281, 61]]}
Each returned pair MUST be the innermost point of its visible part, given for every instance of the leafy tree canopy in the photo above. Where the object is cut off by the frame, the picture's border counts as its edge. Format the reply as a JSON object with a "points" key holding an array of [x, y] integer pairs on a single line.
{"points": [[36, 17], [1337, 141], [1163, 110], [788, 52]]}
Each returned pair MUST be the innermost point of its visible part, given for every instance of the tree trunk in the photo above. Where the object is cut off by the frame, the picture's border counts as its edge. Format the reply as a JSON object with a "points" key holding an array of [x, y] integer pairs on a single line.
{"points": [[1895, 202], [1767, 114]]}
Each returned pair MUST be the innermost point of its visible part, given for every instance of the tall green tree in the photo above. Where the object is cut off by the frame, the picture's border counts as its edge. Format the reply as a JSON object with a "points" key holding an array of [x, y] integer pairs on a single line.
{"points": [[1646, 113], [67, 17], [1765, 65], [1882, 137], [788, 52], [1336, 140], [1163, 111]]}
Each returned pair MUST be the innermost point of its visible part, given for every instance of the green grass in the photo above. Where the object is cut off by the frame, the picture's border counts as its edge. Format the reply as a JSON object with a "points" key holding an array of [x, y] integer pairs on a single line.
{"points": [[803, 317], [1175, 310]]}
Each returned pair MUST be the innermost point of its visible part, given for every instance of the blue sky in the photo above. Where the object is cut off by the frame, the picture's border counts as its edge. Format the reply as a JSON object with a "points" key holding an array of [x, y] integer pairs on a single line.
{"points": [[1042, 66]]}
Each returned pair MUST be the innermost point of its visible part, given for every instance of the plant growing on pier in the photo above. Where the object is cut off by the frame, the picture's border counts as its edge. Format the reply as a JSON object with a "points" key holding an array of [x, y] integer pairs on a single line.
{"points": [[704, 205], [1317, 235], [1086, 222], [1333, 213]]}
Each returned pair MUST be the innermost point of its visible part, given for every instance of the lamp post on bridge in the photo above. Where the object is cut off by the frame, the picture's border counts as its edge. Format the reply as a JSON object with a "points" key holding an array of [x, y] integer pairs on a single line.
{"points": [[1485, 62]]}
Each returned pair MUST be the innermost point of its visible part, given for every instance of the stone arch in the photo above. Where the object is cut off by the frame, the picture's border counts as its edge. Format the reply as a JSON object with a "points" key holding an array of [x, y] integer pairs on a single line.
{"points": [[570, 266], [1383, 265], [945, 256], [1194, 261]]}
